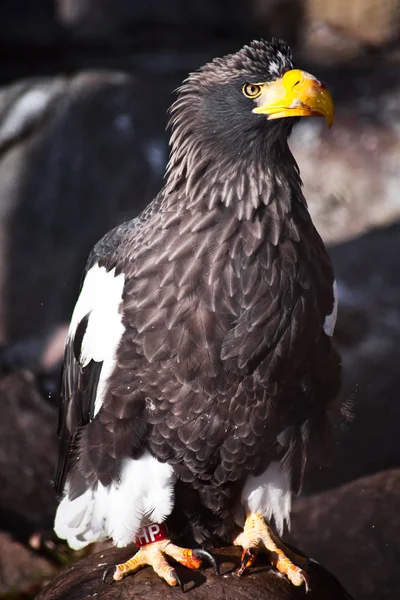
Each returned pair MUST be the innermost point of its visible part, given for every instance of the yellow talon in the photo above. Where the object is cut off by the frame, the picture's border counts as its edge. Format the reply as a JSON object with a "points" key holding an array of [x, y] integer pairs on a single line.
{"points": [[154, 556], [257, 534]]}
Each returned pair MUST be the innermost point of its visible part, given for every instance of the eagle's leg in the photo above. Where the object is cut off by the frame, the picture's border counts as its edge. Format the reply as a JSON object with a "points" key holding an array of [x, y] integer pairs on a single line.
{"points": [[154, 555], [255, 535]]}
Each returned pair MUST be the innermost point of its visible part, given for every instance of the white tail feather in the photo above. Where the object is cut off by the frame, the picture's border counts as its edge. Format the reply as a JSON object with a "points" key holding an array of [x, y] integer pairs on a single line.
{"points": [[144, 493]]}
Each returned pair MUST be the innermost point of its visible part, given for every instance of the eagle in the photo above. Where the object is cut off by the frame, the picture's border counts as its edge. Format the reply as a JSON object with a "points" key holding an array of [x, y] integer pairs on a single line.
{"points": [[199, 369]]}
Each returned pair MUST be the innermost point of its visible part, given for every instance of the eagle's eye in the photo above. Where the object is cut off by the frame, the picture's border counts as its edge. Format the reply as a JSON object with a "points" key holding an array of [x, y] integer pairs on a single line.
{"points": [[252, 90]]}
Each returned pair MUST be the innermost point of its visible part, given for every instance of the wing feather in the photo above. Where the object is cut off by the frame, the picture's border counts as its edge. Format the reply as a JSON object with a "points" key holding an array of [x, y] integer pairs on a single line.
{"points": [[82, 375]]}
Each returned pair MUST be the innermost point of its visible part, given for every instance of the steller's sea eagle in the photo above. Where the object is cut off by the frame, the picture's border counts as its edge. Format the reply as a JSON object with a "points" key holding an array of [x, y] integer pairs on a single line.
{"points": [[199, 366]]}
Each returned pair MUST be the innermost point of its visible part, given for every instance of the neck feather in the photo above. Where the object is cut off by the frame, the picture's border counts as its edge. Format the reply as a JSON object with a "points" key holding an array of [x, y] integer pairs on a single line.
{"points": [[246, 178]]}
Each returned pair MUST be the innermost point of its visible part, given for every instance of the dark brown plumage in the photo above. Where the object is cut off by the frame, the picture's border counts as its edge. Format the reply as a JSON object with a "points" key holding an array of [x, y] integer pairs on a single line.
{"points": [[223, 366]]}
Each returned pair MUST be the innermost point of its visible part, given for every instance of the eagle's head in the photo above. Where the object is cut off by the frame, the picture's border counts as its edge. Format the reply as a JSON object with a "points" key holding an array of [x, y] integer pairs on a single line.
{"points": [[244, 103]]}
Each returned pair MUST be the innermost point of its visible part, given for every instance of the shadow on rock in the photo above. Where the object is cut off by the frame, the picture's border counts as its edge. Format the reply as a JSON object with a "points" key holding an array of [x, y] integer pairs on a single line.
{"points": [[84, 580], [27, 457], [354, 530], [367, 336]]}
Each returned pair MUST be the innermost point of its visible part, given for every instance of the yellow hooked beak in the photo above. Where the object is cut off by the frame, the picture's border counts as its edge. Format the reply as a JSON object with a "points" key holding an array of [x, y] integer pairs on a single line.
{"points": [[296, 94]]}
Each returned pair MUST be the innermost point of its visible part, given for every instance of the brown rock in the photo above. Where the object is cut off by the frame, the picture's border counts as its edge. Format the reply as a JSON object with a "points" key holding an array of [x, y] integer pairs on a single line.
{"points": [[322, 43], [339, 31], [122, 20], [367, 273], [84, 580], [351, 183], [91, 150], [349, 172], [355, 530], [21, 569], [370, 21], [27, 456]]}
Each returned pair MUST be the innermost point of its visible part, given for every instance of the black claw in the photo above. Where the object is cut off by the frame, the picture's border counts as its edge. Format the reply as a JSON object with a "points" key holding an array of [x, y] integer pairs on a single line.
{"points": [[203, 554], [106, 573], [246, 561], [178, 580], [249, 556], [306, 581]]}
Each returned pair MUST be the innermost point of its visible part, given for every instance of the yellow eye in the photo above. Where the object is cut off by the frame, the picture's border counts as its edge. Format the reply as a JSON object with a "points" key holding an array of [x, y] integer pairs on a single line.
{"points": [[252, 90]]}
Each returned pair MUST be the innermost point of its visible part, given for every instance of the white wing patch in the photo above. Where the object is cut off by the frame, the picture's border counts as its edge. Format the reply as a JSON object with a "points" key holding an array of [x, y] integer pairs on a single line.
{"points": [[330, 321], [144, 493], [101, 299], [269, 494]]}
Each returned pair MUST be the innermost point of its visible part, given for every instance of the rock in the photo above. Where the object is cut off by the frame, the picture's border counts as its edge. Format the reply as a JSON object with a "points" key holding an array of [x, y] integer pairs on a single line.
{"points": [[22, 22], [27, 457], [350, 172], [79, 156], [279, 18], [68, 35], [375, 22], [84, 579], [22, 571], [354, 531], [24, 108], [367, 335], [351, 183], [333, 33], [119, 21]]}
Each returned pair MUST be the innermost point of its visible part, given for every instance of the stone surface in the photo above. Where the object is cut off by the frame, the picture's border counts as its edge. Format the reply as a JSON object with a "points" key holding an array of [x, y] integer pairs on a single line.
{"points": [[66, 35], [354, 531], [350, 173], [119, 20], [89, 150], [22, 570], [367, 335], [375, 22], [337, 32], [351, 182], [25, 109], [84, 579], [27, 457]]}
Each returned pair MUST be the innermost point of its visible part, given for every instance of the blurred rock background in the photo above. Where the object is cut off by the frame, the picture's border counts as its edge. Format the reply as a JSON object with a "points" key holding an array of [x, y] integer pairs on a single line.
{"points": [[85, 86]]}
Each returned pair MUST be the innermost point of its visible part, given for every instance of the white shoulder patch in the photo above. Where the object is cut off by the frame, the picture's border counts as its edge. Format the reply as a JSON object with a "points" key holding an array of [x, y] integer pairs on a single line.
{"points": [[143, 494], [269, 494], [100, 299], [330, 321]]}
